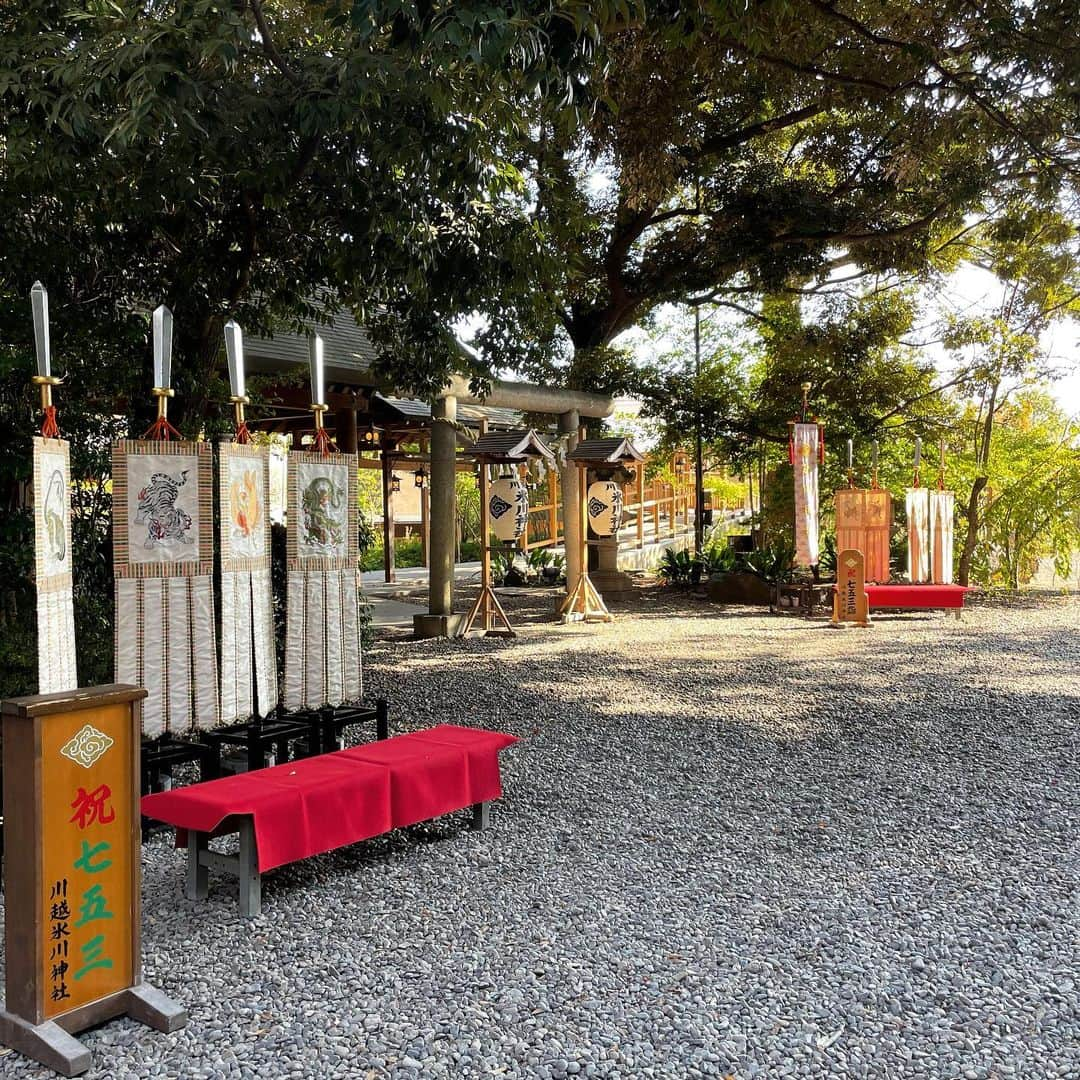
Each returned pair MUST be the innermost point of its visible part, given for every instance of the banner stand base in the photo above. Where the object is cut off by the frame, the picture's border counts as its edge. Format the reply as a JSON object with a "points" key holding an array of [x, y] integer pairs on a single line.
{"points": [[52, 1045]]}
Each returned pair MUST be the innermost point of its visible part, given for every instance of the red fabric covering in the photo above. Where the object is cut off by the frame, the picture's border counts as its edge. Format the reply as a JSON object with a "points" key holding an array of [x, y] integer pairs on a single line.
{"points": [[916, 596], [482, 751], [299, 809], [307, 807], [433, 772]]}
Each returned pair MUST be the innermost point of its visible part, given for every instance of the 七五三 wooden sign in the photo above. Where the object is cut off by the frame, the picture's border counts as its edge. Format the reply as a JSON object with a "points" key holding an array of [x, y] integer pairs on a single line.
{"points": [[72, 873], [850, 603]]}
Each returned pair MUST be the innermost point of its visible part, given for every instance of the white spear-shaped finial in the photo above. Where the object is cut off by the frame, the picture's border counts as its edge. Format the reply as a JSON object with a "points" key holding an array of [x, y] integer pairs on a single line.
{"points": [[39, 303], [315, 360], [234, 352], [163, 328]]}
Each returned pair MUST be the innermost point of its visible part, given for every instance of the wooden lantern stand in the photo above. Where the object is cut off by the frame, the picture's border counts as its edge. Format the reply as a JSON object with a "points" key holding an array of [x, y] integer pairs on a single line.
{"points": [[487, 603], [584, 603], [501, 448]]}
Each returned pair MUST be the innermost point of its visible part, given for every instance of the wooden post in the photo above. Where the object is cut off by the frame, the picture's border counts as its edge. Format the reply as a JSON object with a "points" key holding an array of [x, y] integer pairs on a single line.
{"points": [[553, 509], [584, 602], [388, 511], [849, 601], [345, 431], [485, 546], [425, 510], [72, 881], [641, 504]]}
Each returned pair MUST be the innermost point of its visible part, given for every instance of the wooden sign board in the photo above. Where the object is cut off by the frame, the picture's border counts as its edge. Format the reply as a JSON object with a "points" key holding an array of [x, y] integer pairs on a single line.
{"points": [[850, 603], [72, 873]]}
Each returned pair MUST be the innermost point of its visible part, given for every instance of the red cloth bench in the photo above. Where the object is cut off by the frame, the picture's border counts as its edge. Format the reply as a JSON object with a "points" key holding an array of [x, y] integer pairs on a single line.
{"points": [[916, 596], [301, 808]]}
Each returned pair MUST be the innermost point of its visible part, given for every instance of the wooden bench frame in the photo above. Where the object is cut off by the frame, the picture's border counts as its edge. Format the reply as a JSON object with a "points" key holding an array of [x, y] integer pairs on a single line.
{"points": [[244, 865]]}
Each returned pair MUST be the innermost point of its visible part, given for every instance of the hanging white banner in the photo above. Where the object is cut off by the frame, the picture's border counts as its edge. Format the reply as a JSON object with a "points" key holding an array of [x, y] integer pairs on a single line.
{"points": [[918, 527], [805, 464], [52, 567], [941, 537]]}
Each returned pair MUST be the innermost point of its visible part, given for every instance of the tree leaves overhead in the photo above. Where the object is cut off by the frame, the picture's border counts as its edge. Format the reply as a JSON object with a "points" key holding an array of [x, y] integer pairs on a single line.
{"points": [[739, 150], [230, 159]]}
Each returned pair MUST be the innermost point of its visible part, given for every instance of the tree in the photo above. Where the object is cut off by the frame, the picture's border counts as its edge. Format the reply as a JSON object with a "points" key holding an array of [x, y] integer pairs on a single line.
{"points": [[1035, 254], [1031, 509], [230, 160], [743, 151]]}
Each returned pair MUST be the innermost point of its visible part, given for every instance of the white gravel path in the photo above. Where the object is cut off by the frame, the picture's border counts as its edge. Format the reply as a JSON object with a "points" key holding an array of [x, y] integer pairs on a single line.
{"points": [[731, 845]]}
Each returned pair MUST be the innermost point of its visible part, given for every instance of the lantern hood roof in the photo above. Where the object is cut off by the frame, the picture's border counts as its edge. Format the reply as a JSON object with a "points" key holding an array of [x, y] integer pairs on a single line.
{"points": [[612, 451], [511, 446]]}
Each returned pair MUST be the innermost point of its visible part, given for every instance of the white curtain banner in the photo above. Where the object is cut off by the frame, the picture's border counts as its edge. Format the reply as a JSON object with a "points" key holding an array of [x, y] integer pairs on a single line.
{"points": [[918, 527], [806, 494], [941, 536]]}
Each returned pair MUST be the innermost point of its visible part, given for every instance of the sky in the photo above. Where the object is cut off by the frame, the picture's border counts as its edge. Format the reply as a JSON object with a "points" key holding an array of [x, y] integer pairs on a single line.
{"points": [[969, 291]]}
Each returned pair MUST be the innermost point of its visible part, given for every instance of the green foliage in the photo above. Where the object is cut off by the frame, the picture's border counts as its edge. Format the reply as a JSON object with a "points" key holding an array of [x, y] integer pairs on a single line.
{"points": [[773, 563], [739, 151], [231, 160], [676, 566], [1031, 507]]}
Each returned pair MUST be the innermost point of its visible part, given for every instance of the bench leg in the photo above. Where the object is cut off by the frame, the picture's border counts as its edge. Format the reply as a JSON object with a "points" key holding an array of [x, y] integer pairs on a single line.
{"points": [[197, 886], [382, 719], [248, 867], [481, 816]]}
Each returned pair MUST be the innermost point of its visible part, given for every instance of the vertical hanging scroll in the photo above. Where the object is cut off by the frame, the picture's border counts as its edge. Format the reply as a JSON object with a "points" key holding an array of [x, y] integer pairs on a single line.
{"points": [[52, 523], [877, 525], [806, 451], [322, 638], [163, 563], [248, 660], [941, 536], [918, 519], [863, 522], [850, 507], [247, 618], [52, 565]]}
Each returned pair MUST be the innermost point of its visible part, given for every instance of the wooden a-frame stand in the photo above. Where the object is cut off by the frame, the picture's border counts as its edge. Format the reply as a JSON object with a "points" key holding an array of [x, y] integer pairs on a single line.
{"points": [[584, 603], [487, 603]]}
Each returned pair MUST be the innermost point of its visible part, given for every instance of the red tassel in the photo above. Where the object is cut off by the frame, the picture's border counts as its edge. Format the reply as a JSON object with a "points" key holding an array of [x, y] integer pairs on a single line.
{"points": [[161, 431], [49, 428], [791, 447], [821, 444], [242, 433], [323, 443]]}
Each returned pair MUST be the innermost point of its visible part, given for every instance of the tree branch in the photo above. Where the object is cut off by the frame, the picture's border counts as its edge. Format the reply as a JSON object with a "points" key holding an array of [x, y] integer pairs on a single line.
{"points": [[268, 45]]}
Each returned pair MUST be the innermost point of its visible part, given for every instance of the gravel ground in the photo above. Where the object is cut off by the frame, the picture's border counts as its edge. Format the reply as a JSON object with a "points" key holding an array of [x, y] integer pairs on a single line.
{"points": [[731, 845]]}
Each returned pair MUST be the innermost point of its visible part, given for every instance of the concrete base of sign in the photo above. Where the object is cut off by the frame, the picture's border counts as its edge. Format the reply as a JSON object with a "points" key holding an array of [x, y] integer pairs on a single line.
{"points": [[433, 626], [52, 1043]]}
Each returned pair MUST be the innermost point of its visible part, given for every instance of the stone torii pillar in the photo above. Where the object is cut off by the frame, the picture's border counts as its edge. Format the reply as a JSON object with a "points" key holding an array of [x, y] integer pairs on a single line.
{"points": [[440, 621]]}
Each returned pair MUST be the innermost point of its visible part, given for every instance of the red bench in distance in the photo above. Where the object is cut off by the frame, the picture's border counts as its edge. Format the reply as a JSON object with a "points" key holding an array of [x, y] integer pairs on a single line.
{"points": [[923, 597], [301, 808]]}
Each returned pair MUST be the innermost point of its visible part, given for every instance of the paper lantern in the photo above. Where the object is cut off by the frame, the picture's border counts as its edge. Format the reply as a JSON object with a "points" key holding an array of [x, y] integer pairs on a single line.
{"points": [[605, 502], [508, 504]]}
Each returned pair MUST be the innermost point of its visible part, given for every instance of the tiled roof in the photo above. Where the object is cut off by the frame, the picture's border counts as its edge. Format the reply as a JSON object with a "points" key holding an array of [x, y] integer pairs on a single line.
{"points": [[607, 451], [511, 446]]}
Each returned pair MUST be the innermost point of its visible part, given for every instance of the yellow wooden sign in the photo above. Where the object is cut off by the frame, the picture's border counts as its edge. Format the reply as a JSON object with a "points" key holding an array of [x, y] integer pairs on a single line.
{"points": [[86, 887], [850, 603], [71, 873]]}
